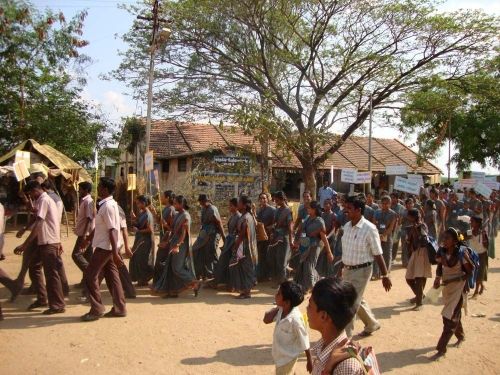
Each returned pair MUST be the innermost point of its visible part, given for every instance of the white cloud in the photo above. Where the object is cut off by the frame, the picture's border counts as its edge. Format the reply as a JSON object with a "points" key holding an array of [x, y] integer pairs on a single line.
{"points": [[116, 105], [489, 6]]}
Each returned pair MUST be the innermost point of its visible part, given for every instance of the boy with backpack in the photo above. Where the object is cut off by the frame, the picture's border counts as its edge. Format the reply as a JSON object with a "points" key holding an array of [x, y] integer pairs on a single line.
{"points": [[331, 308], [290, 333]]}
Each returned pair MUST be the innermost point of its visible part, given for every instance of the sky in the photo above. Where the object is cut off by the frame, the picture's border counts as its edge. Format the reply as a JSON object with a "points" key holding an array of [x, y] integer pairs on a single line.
{"points": [[106, 22]]}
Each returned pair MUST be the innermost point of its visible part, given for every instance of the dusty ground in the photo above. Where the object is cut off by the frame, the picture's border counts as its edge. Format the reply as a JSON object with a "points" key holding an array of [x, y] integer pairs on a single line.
{"points": [[216, 334]]}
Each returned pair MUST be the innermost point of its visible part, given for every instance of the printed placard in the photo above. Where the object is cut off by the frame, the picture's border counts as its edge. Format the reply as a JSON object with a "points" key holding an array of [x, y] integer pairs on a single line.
{"points": [[477, 175], [363, 177], [482, 189], [406, 185], [348, 175], [157, 178], [23, 155], [396, 170], [148, 161], [20, 170], [131, 181], [417, 178], [492, 184]]}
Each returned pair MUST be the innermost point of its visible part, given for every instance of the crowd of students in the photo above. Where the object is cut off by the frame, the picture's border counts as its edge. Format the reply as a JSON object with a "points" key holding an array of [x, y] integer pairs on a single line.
{"points": [[333, 248]]}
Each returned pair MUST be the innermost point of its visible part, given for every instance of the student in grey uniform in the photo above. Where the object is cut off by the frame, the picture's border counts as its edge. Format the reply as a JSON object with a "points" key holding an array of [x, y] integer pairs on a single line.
{"points": [[166, 221], [282, 238], [308, 247], [242, 273], [398, 208], [265, 215], [205, 246], [430, 218], [385, 221], [440, 210], [370, 202], [222, 267], [323, 266]]}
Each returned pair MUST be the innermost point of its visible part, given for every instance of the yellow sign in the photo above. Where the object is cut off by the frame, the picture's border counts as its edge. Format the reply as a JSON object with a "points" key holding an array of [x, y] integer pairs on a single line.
{"points": [[23, 155], [131, 182], [21, 170]]}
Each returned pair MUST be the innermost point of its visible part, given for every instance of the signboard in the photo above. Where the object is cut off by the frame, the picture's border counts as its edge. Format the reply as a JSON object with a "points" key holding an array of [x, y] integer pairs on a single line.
{"points": [[20, 170], [23, 155], [363, 177], [395, 170], [467, 183], [148, 161], [226, 178], [417, 178], [157, 178], [131, 181], [348, 176], [492, 184], [405, 185], [482, 189], [231, 160], [477, 175]]}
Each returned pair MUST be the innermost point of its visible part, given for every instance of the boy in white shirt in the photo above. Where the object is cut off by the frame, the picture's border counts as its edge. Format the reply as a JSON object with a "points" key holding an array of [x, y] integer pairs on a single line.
{"points": [[290, 333]]}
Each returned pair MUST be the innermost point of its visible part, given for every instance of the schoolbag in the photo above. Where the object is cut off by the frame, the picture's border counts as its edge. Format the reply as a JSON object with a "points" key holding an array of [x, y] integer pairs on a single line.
{"points": [[365, 356], [432, 249], [474, 257]]}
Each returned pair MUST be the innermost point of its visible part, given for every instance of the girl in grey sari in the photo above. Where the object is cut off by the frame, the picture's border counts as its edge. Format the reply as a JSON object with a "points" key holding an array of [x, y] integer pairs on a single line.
{"points": [[142, 261], [205, 246], [242, 270], [222, 268], [324, 267], [308, 244], [178, 274]]}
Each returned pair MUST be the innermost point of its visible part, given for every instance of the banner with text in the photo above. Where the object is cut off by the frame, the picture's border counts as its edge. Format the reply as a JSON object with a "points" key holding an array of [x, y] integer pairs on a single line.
{"points": [[396, 170], [406, 185]]}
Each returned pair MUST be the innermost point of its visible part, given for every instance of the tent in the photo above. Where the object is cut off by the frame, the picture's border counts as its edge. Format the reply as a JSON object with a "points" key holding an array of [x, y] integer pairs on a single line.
{"points": [[46, 159]]}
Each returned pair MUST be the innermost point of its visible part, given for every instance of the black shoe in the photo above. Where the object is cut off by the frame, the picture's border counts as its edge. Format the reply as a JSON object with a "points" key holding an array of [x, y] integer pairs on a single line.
{"points": [[28, 291], [54, 311], [2, 257], [113, 314], [88, 317], [37, 304]]}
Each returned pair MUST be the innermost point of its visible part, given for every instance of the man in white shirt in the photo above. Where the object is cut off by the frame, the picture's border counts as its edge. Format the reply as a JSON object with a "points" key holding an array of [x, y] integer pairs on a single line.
{"points": [[46, 233], [325, 192], [106, 257], [360, 247], [84, 226]]}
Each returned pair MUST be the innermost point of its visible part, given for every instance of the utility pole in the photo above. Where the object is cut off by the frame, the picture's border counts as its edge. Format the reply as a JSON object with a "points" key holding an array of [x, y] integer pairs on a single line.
{"points": [[370, 143], [449, 152], [158, 36]]}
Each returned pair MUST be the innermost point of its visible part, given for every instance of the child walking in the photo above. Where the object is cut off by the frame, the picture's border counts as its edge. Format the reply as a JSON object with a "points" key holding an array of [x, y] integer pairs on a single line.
{"points": [[479, 242], [454, 265], [290, 334]]}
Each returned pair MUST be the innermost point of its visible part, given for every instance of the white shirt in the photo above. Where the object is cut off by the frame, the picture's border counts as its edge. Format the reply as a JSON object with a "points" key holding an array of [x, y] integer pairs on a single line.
{"points": [[49, 231], [325, 193], [107, 218], [85, 212], [58, 201], [290, 337], [360, 243]]}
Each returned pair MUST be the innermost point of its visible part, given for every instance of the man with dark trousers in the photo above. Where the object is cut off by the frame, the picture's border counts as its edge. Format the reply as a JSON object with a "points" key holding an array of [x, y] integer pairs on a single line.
{"points": [[106, 257], [84, 226], [46, 233]]}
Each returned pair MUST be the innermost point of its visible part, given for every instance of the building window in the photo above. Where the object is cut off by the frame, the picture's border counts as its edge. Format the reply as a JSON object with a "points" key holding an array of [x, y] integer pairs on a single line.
{"points": [[165, 166], [130, 170], [182, 165]]}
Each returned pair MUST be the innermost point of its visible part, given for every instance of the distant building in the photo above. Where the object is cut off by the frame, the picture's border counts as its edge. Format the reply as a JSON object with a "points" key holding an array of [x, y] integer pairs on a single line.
{"points": [[230, 162]]}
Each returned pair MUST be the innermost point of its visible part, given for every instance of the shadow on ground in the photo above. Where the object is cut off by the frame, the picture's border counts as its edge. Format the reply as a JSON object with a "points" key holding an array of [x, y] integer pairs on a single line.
{"points": [[247, 355]]}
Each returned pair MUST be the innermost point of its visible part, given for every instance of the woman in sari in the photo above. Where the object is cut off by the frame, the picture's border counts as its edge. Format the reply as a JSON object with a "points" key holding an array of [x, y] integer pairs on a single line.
{"points": [[205, 246], [278, 253], [419, 268], [324, 267], [178, 273], [166, 221], [308, 244], [454, 266], [222, 268], [141, 263], [431, 218], [242, 267]]}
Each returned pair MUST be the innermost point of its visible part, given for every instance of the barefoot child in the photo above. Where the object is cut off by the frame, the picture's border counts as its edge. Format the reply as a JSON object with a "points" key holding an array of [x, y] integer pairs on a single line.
{"points": [[479, 242], [290, 333], [453, 268]]}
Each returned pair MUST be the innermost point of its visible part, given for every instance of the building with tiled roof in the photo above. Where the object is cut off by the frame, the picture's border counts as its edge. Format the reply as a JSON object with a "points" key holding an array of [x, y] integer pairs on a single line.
{"points": [[177, 144]]}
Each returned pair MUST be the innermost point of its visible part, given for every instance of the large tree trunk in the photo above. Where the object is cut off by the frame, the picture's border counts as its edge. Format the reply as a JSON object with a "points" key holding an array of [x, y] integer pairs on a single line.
{"points": [[309, 176]]}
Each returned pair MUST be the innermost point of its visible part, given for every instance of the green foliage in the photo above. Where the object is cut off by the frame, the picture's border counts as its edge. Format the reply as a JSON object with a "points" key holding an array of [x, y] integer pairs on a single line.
{"points": [[133, 133], [41, 82], [469, 105], [297, 70]]}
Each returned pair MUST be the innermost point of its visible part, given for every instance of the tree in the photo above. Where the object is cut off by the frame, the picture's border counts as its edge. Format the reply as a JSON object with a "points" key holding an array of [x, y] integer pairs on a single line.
{"points": [[465, 111], [132, 136], [296, 70], [41, 81]]}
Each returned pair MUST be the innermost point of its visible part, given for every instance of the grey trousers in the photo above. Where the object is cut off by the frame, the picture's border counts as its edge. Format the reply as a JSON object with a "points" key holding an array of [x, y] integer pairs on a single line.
{"points": [[360, 278]]}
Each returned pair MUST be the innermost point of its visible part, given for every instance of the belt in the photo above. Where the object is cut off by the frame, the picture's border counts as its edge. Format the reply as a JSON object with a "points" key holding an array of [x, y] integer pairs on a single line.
{"points": [[367, 264]]}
